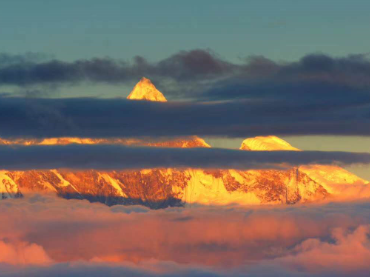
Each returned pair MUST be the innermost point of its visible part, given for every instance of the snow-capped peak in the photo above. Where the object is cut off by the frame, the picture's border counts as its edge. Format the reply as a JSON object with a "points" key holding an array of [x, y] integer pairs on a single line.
{"points": [[145, 90], [269, 143]]}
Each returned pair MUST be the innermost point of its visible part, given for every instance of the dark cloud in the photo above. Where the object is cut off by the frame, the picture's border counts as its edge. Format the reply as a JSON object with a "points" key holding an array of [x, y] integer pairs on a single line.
{"points": [[108, 157], [201, 74], [87, 117], [317, 95], [314, 78], [183, 66], [195, 64]]}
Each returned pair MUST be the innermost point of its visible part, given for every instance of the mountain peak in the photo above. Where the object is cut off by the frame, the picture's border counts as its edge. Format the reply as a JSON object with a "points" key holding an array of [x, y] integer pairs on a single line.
{"points": [[145, 90], [269, 143]]}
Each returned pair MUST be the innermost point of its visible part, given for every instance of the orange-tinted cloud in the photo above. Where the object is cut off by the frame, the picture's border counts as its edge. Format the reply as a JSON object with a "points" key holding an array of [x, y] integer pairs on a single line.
{"points": [[314, 238], [22, 253], [348, 252]]}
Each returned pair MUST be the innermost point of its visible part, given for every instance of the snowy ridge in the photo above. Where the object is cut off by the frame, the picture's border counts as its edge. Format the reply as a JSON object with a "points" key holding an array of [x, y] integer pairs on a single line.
{"points": [[330, 177], [269, 143], [160, 188], [8, 188], [145, 90]]}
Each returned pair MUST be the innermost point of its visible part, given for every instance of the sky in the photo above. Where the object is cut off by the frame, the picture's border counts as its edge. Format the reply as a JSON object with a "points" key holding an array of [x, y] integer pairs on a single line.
{"points": [[281, 31]]}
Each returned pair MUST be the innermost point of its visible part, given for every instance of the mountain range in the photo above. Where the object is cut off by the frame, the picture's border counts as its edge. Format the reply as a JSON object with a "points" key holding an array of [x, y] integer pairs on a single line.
{"points": [[160, 188]]}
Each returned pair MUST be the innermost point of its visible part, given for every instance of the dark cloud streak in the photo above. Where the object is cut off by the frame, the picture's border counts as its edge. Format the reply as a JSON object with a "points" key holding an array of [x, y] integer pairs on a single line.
{"points": [[104, 118], [112, 157]]}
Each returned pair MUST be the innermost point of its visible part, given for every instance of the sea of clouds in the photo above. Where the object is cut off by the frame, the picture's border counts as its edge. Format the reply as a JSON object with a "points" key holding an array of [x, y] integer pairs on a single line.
{"points": [[42, 235]]}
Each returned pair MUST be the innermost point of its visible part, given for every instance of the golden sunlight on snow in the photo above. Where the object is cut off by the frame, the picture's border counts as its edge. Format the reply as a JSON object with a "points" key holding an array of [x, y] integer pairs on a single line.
{"points": [[145, 90], [268, 143]]}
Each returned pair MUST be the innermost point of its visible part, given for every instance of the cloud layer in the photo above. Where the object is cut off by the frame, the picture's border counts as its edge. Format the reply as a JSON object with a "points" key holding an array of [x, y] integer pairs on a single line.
{"points": [[197, 64], [75, 237], [87, 117], [182, 66], [316, 95], [108, 157], [203, 74], [314, 78]]}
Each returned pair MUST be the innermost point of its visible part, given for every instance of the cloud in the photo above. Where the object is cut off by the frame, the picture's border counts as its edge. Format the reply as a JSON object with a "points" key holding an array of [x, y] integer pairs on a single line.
{"points": [[349, 252], [96, 118], [80, 269], [317, 95], [315, 78], [195, 64], [110, 157], [21, 253], [182, 66], [202, 74], [325, 239], [30, 57]]}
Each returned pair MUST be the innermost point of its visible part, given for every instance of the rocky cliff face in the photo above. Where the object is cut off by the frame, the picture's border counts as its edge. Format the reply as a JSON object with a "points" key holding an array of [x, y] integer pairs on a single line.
{"points": [[8, 188], [160, 188]]}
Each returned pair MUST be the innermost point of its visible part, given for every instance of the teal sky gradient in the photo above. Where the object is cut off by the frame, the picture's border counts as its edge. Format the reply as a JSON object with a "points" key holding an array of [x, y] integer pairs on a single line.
{"points": [[280, 30]]}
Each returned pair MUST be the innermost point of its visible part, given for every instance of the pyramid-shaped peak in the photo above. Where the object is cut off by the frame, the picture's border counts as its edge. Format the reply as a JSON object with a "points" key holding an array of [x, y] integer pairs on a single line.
{"points": [[269, 143], [145, 90]]}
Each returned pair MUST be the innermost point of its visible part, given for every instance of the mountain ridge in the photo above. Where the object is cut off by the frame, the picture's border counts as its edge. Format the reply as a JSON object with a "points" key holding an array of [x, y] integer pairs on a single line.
{"points": [[145, 90], [268, 143], [160, 188]]}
